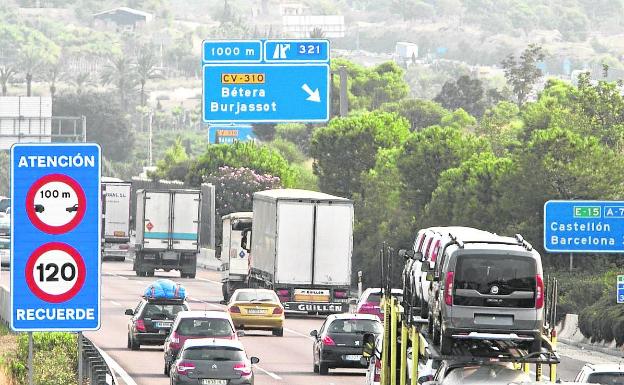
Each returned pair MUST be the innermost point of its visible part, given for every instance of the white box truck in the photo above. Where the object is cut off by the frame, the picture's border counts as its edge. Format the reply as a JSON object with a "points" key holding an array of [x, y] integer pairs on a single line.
{"points": [[167, 231], [234, 259], [115, 218], [301, 248]]}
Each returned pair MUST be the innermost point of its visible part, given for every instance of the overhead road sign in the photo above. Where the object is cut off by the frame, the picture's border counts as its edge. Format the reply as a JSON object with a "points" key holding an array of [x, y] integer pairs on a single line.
{"points": [[584, 226], [55, 265], [232, 51], [296, 51], [248, 93], [620, 289], [230, 133]]}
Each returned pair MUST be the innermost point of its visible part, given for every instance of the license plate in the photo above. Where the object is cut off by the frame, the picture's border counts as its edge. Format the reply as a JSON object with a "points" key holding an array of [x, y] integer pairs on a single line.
{"points": [[212, 381], [352, 357], [256, 311], [162, 324]]}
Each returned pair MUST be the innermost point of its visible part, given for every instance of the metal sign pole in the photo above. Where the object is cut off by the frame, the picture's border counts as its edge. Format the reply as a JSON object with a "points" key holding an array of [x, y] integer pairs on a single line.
{"points": [[30, 359], [80, 369]]}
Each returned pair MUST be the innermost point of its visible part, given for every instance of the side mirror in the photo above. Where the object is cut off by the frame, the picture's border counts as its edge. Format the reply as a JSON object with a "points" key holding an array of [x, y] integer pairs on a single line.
{"points": [[314, 333], [129, 312], [254, 360], [218, 252], [424, 379], [240, 333], [353, 301], [407, 254], [430, 277], [223, 302]]}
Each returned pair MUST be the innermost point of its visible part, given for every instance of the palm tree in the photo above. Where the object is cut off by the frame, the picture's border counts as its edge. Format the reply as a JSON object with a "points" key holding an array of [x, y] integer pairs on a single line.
{"points": [[146, 69], [55, 73], [81, 81], [317, 33], [119, 72]]}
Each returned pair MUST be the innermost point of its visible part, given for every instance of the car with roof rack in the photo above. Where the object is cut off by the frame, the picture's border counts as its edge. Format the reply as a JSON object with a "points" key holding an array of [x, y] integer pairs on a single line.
{"points": [[488, 287], [609, 373]]}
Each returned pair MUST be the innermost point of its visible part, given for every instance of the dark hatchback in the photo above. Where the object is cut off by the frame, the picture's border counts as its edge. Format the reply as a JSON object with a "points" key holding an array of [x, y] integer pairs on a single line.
{"points": [[151, 321], [340, 341]]}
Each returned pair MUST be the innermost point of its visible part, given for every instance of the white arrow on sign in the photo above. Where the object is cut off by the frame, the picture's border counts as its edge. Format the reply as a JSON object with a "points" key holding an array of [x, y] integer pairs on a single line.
{"points": [[315, 96]]}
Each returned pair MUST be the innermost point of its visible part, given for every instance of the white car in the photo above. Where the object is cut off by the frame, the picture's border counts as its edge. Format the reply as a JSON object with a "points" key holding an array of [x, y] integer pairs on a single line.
{"points": [[426, 367], [5, 252], [601, 374]]}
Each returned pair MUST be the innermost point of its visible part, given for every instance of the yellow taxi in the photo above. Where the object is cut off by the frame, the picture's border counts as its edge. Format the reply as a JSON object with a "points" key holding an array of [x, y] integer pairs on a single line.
{"points": [[257, 309]]}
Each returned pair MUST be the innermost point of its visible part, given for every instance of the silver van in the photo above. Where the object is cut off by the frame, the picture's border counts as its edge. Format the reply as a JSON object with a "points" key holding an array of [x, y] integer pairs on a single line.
{"points": [[489, 287]]}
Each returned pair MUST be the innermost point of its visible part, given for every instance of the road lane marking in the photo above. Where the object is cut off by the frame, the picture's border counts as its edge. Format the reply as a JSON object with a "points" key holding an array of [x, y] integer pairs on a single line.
{"points": [[272, 375], [299, 334], [210, 281], [220, 307], [116, 367], [115, 303]]}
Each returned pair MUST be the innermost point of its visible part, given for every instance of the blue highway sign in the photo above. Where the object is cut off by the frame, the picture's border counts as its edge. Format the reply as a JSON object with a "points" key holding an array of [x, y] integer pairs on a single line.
{"points": [[249, 93], [620, 289], [228, 51], [55, 264], [230, 133], [584, 226], [296, 51]]}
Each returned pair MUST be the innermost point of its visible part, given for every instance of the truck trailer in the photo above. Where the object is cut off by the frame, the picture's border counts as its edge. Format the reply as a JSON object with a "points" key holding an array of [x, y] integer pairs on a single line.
{"points": [[115, 218], [301, 248], [234, 259], [167, 231]]}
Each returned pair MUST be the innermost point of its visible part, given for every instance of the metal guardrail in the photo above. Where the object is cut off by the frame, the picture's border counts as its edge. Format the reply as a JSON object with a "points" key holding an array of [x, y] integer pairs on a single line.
{"points": [[95, 370]]}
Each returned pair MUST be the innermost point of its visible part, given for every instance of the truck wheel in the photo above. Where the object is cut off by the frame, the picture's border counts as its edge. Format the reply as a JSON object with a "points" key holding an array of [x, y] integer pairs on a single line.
{"points": [[424, 309], [134, 345], [323, 368], [191, 275], [278, 332], [446, 344], [224, 291], [149, 273], [166, 369], [436, 334], [315, 368]]}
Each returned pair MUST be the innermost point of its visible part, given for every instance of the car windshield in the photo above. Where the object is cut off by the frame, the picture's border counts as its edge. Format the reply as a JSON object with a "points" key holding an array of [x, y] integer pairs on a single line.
{"points": [[162, 311], [214, 353], [615, 378], [355, 326], [209, 327], [256, 296]]}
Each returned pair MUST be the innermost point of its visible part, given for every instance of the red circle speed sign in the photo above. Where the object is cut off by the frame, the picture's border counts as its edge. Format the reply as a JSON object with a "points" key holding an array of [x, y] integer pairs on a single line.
{"points": [[55, 272], [56, 204]]}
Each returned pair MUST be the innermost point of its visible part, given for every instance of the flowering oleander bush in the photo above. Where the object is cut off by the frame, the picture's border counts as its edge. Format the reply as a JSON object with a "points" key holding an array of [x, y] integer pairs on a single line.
{"points": [[235, 187]]}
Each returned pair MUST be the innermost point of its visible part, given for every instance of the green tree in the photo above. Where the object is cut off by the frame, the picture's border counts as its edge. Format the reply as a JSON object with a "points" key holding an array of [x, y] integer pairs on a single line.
{"points": [[298, 133], [10, 40], [106, 122], [428, 153], [466, 93], [347, 147], [36, 52], [502, 126], [81, 82], [420, 113], [7, 71], [317, 33], [523, 73], [5, 168]]}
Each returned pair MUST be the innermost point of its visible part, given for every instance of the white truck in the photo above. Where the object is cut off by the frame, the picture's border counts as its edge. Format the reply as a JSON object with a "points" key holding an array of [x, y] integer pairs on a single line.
{"points": [[234, 259], [167, 231], [115, 218], [301, 248]]}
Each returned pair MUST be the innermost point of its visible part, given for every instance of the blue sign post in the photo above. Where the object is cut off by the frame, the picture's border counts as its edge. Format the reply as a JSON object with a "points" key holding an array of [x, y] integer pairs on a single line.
{"points": [[55, 264], [287, 82], [584, 226], [219, 134], [620, 289]]}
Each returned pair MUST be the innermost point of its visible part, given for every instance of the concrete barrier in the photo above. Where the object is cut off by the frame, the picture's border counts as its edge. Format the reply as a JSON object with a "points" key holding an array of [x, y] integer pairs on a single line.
{"points": [[5, 305]]}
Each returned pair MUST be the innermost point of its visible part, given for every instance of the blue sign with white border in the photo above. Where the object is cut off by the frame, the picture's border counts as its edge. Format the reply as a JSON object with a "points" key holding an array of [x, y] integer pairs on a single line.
{"points": [[228, 51], [620, 289], [219, 134], [584, 226], [55, 263], [296, 51], [249, 93]]}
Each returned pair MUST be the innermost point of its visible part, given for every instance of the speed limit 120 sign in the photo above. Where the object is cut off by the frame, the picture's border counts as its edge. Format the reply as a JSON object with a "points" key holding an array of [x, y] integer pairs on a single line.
{"points": [[55, 264]]}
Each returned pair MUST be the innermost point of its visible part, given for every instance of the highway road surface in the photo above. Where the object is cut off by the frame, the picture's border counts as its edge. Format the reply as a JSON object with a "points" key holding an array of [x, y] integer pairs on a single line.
{"points": [[283, 360]]}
